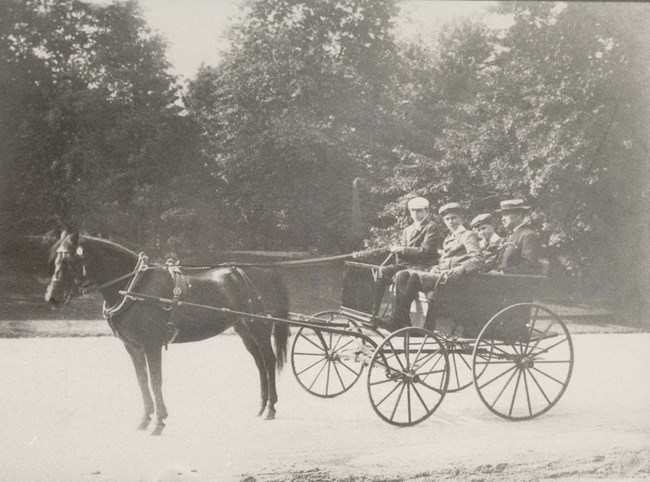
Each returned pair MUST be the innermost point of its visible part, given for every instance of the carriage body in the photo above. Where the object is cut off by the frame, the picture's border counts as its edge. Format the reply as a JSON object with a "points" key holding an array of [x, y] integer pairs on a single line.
{"points": [[485, 330]]}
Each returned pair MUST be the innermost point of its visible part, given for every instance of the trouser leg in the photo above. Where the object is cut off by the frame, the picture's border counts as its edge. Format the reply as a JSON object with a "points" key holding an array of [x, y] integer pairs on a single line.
{"points": [[384, 278], [407, 287]]}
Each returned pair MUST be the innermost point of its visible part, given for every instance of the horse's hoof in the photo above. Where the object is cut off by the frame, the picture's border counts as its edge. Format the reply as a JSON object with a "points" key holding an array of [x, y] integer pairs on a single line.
{"points": [[144, 423], [270, 416], [259, 414], [158, 430]]}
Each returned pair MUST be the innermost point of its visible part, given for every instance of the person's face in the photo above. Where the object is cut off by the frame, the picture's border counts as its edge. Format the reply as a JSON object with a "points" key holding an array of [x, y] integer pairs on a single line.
{"points": [[452, 221], [511, 219], [485, 231], [418, 214]]}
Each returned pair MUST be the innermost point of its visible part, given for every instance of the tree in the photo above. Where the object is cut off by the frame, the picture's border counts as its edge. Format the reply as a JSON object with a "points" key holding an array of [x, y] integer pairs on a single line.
{"points": [[294, 113], [91, 127]]}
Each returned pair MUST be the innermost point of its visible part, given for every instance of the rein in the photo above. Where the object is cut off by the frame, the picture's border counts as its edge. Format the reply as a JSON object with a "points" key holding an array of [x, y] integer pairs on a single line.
{"points": [[310, 261], [94, 287]]}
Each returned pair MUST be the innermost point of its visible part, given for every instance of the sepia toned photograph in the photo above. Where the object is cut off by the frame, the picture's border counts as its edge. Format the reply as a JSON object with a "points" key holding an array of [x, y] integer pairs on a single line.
{"points": [[324, 240]]}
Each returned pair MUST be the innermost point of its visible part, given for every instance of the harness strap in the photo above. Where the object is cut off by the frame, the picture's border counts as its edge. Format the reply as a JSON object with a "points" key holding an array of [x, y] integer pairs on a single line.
{"points": [[181, 287]]}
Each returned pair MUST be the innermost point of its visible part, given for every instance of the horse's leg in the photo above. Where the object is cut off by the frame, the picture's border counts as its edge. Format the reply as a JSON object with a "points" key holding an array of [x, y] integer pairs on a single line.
{"points": [[154, 361], [140, 365], [244, 332], [261, 333]]}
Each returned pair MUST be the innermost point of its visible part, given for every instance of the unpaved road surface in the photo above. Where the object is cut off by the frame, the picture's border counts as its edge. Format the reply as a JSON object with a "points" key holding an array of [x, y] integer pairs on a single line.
{"points": [[69, 407]]}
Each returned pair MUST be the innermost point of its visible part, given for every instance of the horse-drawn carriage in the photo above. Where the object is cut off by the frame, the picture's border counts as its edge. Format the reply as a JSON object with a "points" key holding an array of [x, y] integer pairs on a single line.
{"points": [[520, 360]]}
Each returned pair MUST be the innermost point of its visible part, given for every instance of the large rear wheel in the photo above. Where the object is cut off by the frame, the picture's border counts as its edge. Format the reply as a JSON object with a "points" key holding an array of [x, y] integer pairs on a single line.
{"points": [[408, 376], [522, 361], [328, 364]]}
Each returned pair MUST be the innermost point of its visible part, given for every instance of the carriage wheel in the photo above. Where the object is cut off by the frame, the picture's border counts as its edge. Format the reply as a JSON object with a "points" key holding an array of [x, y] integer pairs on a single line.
{"points": [[522, 361], [460, 364], [408, 376], [328, 364]]}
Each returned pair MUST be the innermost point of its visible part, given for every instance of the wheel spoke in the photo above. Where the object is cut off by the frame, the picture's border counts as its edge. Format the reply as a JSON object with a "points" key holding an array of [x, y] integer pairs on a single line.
{"points": [[453, 359], [514, 395], [428, 357], [388, 367], [498, 376], [532, 329], [426, 375], [352, 340], [548, 376], [495, 347], [539, 387], [392, 348], [530, 408], [318, 376], [388, 395], [437, 390], [417, 392], [338, 374], [407, 349], [504, 388], [544, 350], [327, 380], [417, 355], [399, 397], [351, 370], [381, 382], [408, 400], [320, 347], [542, 336], [311, 366]]}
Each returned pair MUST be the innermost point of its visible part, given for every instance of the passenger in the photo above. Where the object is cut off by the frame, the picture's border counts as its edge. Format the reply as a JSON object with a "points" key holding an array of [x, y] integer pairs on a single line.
{"points": [[521, 251], [416, 250], [460, 256], [489, 240]]}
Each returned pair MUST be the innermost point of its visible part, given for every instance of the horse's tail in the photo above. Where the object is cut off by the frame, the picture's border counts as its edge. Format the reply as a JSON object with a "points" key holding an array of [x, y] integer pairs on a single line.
{"points": [[281, 331], [281, 334]]}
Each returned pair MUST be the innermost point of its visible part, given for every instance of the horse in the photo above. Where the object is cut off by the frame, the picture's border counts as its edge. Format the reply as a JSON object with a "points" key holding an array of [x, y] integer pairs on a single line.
{"points": [[148, 323]]}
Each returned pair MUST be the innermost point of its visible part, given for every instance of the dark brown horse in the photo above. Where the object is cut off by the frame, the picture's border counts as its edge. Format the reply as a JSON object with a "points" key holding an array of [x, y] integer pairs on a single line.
{"points": [[146, 326]]}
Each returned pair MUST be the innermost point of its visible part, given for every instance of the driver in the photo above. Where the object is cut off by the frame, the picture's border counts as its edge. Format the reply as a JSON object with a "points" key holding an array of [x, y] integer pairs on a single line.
{"points": [[415, 250]]}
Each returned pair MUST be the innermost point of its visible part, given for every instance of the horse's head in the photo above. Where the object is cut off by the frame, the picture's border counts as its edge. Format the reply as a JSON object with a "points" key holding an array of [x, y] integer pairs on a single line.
{"points": [[68, 270]]}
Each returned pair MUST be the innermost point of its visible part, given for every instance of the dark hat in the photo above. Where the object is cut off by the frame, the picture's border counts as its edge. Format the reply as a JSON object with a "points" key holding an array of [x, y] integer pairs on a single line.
{"points": [[513, 205], [449, 207], [417, 203], [481, 219]]}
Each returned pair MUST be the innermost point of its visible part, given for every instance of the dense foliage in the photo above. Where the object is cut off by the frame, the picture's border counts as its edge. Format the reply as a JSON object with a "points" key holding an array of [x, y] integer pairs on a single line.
{"points": [[90, 126], [314, 97]]}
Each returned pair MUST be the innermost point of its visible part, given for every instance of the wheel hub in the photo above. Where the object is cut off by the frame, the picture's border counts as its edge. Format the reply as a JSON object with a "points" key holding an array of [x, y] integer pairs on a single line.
{"points": [[526, 362]]}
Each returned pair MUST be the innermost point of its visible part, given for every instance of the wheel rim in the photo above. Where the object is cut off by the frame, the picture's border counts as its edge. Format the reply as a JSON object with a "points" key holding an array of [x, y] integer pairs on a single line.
{"points": [[522, 361], [327, 364], [408, 376]]}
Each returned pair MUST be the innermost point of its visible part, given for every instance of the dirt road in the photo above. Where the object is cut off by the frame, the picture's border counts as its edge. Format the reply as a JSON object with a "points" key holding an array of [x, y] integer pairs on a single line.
{"points": [[69, 407]]}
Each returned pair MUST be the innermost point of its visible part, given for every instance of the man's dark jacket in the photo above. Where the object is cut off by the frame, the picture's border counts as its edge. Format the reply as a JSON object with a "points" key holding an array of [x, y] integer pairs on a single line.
{"points": [[419, 245], [521, 252]]}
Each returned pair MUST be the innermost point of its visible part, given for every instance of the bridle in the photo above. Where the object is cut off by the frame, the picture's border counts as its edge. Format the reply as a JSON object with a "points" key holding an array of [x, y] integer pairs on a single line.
{"points": [[80, 280], [77, 265]]}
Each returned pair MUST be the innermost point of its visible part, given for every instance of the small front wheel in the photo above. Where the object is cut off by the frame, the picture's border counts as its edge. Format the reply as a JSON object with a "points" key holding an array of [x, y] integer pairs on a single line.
{"points": [[408, 376], [328, 364]]}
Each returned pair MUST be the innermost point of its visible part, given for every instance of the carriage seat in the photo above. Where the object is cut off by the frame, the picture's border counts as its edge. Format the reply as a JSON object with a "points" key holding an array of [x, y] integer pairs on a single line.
{"points": [[473, 301], [486, 286]]}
